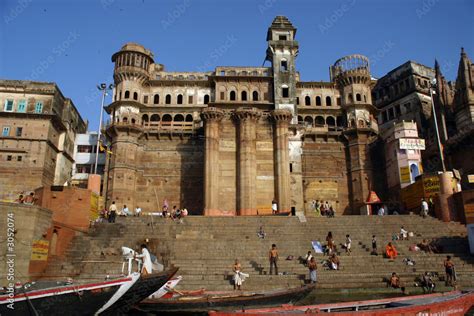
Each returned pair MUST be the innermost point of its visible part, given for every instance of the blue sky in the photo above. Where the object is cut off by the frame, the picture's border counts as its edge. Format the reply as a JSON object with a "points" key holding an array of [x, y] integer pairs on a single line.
{"points": [[70, 42]]}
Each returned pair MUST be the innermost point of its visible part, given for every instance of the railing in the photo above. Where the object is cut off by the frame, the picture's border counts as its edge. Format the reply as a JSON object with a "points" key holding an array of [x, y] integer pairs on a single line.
{"points": [[182, 126]]}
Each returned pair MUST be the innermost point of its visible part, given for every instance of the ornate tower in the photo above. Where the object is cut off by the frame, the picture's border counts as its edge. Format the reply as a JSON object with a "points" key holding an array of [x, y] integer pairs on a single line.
{"points": [[131, 73], [281, 52], [352, 76], [464, 95]]}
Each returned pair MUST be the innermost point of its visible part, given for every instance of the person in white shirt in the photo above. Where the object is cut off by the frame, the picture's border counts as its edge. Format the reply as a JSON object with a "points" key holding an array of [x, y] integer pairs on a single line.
{"points": [[274, 206], [138, 210], [381, 211], [424, 208], [125, 211], [146, 260], [403, 233]]}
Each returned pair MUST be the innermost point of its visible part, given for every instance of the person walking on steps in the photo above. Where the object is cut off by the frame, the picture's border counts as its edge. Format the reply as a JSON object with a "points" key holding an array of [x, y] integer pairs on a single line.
{"points": [[273, 257]]}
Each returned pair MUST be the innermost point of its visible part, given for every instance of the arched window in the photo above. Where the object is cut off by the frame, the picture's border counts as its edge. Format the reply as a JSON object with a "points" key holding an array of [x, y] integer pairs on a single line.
{"points": [[255, 96], [155, 118], [125, 119], [350, 98], [243, 96], [133, 121], [318, 100], [135, 96], [189, 118], [168, 99], [284, 65], [328, 101], [178, 118], [206, 99], [179, 99], [308, 121], [307, 100], [285, 91], [330, 121], [232, 95], [156, 99], [358, 98], [127, 94], [145, 119], [120, 95], [319, 121], [300, 119], [339, 121], [167, 118]]}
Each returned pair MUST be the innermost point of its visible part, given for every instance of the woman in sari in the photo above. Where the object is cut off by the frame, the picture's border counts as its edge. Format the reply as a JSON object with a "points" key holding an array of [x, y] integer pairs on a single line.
{"points": [[391, 251]]}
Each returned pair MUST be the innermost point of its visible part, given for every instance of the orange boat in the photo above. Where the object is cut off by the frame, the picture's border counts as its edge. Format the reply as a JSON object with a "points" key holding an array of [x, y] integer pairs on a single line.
{"points": [[451, 303]]}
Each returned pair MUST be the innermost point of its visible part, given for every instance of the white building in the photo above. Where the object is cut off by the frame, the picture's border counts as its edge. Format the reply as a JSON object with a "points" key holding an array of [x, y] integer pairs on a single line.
{"points": [[85, 149]]}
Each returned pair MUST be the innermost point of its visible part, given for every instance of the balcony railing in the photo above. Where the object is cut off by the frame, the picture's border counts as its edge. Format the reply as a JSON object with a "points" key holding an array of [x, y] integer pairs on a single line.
{"points": [[159, 125]]}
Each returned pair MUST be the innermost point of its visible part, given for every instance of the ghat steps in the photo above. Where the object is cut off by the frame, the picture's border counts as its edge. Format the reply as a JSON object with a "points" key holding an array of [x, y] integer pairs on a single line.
{"points": [[204, 248]]}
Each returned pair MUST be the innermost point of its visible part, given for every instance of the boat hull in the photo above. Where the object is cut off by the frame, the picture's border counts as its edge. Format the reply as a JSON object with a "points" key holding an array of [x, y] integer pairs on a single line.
{"points": [[66, 300], [451, 303], [215, 302]]}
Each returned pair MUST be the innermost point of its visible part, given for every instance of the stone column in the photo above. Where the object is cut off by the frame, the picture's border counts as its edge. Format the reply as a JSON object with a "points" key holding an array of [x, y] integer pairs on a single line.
{"points": [[247, 160], [445, 197], [211, 117], [281, 120]]}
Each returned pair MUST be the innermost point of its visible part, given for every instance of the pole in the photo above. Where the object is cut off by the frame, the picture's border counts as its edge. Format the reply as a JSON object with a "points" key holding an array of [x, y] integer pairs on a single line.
{"points": [[100, 129], [437, 132]]}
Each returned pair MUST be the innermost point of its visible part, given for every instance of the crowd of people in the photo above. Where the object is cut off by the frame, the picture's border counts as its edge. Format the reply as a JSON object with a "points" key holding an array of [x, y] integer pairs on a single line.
{"points": [[110, 214], [333, 262], [323, 208], [24, 198]]}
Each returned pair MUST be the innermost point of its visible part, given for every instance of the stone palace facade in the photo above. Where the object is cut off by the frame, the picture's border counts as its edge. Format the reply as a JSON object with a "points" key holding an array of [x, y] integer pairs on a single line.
{"points": [[229, 141]]}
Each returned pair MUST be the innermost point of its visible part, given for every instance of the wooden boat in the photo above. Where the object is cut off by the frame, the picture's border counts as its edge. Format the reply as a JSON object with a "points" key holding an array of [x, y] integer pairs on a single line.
{"points": [[111, 297], [451, 303], [220, 300]]}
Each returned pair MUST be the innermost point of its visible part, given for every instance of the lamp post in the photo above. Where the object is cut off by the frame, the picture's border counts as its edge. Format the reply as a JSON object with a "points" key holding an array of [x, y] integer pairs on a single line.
{"points": [[102, 87], [440, 148]]}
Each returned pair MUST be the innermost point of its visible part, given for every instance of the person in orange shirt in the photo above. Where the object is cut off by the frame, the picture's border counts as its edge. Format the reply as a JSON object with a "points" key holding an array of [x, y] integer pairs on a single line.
{"points": [[391, 251]]}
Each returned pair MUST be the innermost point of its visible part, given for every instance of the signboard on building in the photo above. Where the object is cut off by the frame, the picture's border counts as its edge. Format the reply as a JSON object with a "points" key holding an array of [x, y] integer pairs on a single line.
{"points": [[470, 178], [412, 143], [405, 175], [39, 250]]}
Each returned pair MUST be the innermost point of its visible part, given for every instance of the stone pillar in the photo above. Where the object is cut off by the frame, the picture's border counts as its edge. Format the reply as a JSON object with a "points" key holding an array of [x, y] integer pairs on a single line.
{"points": [[211, 117], [281, 120], [247, 160], [445, 196]]}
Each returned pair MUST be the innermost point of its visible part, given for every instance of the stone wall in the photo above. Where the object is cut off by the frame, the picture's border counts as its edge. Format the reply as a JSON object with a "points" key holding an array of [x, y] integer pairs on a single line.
{"points": [[325, 174], [30, 223]]}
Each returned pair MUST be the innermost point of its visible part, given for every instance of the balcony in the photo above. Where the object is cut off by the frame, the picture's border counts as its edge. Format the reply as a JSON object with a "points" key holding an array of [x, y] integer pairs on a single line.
{"points": [[158, 126]]}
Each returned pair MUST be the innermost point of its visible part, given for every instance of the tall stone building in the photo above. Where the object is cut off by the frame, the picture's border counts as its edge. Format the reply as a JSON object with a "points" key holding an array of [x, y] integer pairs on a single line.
{"points": [[38, 126], [454, 103], [229, 141]]}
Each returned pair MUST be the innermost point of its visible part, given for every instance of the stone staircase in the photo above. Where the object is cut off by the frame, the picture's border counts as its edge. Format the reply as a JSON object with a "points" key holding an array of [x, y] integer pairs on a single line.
{"points": [[204, 248]]}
